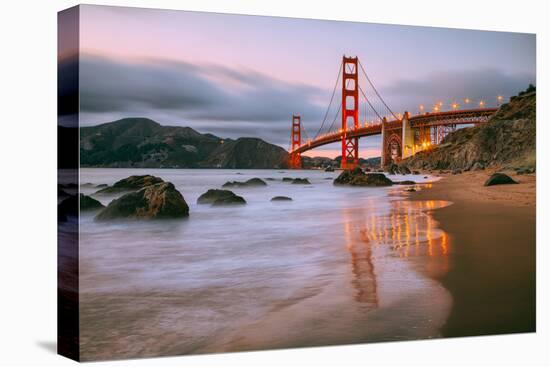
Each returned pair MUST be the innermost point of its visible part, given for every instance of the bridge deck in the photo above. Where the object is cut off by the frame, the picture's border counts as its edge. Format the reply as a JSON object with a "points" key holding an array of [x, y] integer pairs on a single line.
{"points": [[455, 117]]}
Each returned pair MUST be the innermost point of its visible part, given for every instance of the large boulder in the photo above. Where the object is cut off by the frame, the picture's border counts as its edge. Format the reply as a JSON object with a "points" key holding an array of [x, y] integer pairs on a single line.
{"points": [[499, 179], [158, 201], [132, 183], [220, 197], [253, 182], [229, 200], [357, 177], [89, 203]]}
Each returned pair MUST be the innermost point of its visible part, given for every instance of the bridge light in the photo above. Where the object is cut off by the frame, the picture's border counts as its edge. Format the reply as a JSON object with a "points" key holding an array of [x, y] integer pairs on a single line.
{"points": [[481, 103], [467, 100], [454, 106]]}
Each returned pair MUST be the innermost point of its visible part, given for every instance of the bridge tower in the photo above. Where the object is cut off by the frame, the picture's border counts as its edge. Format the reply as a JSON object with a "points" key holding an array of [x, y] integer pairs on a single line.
{"points": [[296, 139], [350, 112]]}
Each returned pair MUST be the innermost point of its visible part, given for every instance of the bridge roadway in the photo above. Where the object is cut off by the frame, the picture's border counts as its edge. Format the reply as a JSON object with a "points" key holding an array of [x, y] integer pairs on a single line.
{"points": [[429, 119]]}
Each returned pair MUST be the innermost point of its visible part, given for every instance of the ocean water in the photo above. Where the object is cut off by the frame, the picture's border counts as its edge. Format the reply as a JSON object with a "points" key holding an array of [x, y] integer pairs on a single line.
{"points": [[336, 265]]}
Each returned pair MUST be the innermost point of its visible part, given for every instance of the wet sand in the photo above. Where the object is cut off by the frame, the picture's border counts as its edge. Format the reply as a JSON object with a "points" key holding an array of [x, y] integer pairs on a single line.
{"points": [[492, 274]]}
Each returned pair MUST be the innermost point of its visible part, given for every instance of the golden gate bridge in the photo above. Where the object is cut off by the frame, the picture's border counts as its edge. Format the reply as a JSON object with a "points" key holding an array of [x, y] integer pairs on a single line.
{"points": [[403, 135]]}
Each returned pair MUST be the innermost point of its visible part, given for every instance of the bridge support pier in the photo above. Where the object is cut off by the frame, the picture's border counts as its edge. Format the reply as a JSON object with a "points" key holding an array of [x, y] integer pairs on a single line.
{"points": [[407, 137], [350, 112], [296, 141]]}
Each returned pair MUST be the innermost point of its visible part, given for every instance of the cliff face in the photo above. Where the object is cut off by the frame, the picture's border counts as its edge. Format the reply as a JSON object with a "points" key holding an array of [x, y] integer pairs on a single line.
{"points": [[507, 140], [143, 143]]}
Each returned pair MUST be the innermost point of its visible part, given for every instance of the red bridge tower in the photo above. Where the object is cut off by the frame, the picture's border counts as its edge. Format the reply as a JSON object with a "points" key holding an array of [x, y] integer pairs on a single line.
{"points": [[296, 138], [350, 112]]}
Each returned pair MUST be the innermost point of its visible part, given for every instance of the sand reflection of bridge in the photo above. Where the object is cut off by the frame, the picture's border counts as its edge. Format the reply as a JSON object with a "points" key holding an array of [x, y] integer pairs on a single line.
{"points": [[409, 232]]}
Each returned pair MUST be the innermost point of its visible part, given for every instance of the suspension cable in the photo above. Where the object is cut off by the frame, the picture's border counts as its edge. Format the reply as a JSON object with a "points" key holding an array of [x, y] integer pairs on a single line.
{"points": [[376, 91], [331, 98], [370, 104]]}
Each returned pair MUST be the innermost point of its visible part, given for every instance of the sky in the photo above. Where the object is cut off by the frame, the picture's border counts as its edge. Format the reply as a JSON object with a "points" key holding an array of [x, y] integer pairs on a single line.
{"points": [[237, 75]]}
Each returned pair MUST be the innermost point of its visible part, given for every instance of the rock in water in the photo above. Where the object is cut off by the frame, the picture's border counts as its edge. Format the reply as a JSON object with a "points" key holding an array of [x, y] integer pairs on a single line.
{"points": [[89, 203], [158, 201], [229, 200], [301, 181], [218, 197], [253, 182], [499, 179], [356, 177], [281, 198], [132, 183], [288, 179]]}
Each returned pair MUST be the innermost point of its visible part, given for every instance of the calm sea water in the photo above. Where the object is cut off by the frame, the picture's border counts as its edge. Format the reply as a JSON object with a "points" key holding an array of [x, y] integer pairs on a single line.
{"points": [[335, 265]]}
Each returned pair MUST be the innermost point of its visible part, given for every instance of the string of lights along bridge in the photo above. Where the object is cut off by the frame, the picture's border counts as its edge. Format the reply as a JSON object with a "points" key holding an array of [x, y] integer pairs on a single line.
{"points": [[403, 134]]}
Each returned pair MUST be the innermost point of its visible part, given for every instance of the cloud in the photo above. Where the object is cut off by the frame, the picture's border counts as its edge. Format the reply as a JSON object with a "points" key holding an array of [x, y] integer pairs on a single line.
{"points": [[455, 85], [231, 102]]}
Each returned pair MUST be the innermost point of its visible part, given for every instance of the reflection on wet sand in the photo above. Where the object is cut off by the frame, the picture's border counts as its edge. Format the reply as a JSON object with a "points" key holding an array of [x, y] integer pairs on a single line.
{"points": [[409, 232]]}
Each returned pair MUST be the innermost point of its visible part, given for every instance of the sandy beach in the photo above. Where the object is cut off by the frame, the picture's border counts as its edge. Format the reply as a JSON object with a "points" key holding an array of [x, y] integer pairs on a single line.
{"points": [[492, 265]]}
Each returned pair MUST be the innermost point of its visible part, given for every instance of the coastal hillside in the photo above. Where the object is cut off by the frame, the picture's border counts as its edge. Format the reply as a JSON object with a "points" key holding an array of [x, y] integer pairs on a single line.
{"points": [[144, 143], [507, 141], [247, 153]]}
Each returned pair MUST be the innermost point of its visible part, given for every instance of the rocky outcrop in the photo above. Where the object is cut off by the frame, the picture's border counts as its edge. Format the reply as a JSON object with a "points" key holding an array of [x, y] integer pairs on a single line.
{"points": [[253, 182], [281, 198], [132, 183], [357, 177], [89, 203], [158, 201], [507, 140], [499, 179], [301, 181], [220, 197]]}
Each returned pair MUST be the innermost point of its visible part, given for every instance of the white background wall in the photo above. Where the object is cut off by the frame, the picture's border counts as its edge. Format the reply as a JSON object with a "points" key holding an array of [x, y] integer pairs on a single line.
{"points": [[28, 183]]}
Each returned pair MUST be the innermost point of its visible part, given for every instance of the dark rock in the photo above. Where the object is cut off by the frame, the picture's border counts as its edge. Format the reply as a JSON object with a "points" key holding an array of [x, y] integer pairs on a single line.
{"points": [[357, 177], [253, 182], [213, 195], [404, 170], [457, 172], [270, 179], [329, 169], [281, 198], [416, 172], [525, 170], [229, 200], [287, 179], [158, 201], [301, 181], [392, 169], [89, 203], [132, 183], [499, 179], [425, 176]]}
